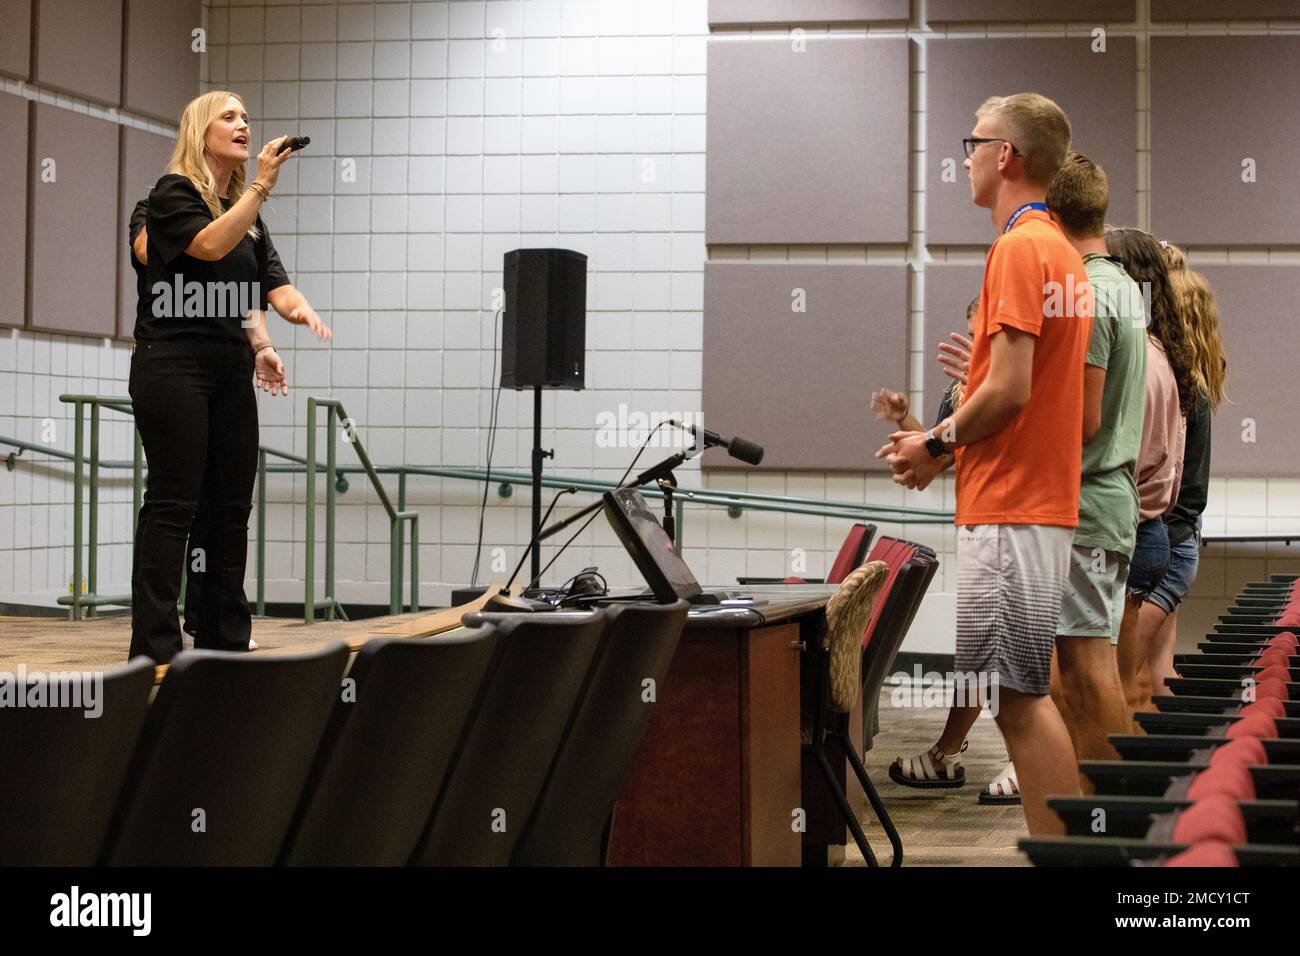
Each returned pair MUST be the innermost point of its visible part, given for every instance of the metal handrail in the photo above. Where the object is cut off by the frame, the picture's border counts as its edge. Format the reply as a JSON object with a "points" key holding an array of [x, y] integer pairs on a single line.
{"points": [[736, 502], [396, 518], [740, 500]]}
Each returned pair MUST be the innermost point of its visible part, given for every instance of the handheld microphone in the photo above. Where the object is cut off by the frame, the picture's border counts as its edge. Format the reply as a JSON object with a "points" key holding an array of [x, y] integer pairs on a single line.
{"points": [[736, 447], [293, 142]]}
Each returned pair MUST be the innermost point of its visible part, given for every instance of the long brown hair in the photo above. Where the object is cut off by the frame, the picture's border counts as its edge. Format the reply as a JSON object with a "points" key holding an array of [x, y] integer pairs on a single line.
{"points": [[1144, 261], [1200, 314], [191, 143]]}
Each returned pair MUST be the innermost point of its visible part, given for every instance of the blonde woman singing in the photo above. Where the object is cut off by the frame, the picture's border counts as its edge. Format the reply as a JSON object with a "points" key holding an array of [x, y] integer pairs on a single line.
{"points": [[201, 342]]}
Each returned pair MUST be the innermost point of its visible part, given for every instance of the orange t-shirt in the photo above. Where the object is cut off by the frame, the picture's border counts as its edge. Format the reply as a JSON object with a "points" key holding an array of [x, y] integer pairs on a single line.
{"points": [[1028, 473]]}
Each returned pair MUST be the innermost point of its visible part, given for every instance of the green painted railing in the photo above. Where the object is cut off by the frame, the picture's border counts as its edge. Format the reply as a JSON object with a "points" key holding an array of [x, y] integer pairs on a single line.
{"points": [[396, 518], [86, 470]]}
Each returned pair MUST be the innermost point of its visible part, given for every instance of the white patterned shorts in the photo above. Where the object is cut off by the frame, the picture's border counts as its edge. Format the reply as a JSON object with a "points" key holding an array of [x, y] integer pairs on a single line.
{"points": [[1010, 578]]}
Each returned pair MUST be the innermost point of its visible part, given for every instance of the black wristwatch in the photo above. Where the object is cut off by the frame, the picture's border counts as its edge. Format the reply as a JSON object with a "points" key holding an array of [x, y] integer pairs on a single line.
{"points": [[934, 445]]}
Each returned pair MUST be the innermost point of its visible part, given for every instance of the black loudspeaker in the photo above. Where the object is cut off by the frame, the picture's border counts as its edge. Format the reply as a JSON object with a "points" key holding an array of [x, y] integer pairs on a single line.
{"points": [[544, 330]]}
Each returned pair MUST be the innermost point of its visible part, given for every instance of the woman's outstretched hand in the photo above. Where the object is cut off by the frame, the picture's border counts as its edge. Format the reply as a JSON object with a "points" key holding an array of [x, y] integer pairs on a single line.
{"points": [[889, 405], [306, 315], [269, 373]]}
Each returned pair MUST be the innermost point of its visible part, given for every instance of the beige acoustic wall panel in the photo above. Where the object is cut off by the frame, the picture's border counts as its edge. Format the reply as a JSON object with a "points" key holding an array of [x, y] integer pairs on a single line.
{"points": [[1030, 11], [1098, 91], [74, 238], [948, 290], [1163, 11], [807, 141], [79, 48], [13, 208], [728, 12], [1255, 430], [160, 68], [791, 354], [143, 158], [16, 38], [1224, 138]]}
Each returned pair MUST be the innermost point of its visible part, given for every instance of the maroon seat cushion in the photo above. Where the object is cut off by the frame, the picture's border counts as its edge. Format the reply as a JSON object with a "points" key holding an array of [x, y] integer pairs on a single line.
{"points": [[1209, 853], [1243, 750], [1271, 687], [1274, 671], [1270, 705], [1273, 656], [1216, 817], [1285, 640], [1258, 726], [1229, 778]]}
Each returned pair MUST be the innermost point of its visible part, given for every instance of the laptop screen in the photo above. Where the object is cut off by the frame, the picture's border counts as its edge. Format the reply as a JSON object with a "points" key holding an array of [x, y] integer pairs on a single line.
{"points": [[649, 545]]}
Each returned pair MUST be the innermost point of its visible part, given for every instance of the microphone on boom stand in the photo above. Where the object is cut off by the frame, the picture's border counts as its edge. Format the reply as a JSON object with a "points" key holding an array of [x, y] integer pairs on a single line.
{"points": [[502, 600]]}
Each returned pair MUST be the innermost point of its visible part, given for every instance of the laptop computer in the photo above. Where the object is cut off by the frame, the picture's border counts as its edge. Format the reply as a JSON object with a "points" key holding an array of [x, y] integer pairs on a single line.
{"points": [[651, 549]]}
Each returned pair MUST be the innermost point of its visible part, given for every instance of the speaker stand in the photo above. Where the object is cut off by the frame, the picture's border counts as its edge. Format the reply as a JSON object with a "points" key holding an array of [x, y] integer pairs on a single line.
{"points": [[539, 455]]}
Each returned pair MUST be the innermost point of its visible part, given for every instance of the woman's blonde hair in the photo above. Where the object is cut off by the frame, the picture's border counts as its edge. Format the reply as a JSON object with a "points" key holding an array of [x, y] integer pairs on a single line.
{"points": [[1175, 259], [191, 143], [1194, 302]]}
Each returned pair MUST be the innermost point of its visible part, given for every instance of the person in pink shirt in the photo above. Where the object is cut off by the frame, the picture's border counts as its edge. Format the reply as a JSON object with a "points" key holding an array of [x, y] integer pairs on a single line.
{"points": [[1169, 393]]}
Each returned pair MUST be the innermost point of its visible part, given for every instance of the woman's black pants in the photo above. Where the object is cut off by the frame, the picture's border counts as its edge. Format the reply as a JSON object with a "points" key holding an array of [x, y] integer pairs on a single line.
{"points": [[197, 414]]}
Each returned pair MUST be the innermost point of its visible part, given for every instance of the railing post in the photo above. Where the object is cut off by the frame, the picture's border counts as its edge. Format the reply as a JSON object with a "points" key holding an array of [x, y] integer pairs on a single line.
{"points": [[261, 532], [395, 569], [78, 453], [92, 559], [415, 562], [331, 467], [394, 562], [681, 516], [309, 596]]}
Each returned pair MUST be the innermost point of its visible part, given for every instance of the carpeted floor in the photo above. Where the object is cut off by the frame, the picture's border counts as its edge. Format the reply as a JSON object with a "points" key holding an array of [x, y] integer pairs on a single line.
{"points": [[940, 827]]}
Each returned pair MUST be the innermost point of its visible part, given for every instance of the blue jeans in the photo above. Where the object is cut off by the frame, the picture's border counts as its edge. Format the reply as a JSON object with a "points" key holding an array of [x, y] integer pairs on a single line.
{"points": [[1150, 558], [1184, 558]]}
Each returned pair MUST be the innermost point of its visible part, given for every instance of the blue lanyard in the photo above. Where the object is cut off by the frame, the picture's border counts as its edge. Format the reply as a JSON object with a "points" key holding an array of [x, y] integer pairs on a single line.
{"points": [[1015, 216]]}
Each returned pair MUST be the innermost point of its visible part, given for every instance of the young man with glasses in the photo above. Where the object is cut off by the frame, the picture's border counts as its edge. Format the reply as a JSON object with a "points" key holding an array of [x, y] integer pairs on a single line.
{"points": [[1018, 442]]}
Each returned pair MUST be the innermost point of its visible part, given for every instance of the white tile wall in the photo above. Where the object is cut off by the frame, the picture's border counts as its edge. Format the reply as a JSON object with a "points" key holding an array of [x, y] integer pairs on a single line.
{"points": [[477, 127]]}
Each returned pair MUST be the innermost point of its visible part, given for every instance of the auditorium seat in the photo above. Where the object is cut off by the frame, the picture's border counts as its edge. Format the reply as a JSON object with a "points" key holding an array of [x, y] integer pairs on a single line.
{"points": [[909, 569], [568, 826], [542, 663], [1181, 747], [1117, 851], [916, 566], [387, 749], [61, 771], [1214, 779], [1210, 853], [1266, 821], [839, 686], [851, 554], [1153, 777], [222, 758]]}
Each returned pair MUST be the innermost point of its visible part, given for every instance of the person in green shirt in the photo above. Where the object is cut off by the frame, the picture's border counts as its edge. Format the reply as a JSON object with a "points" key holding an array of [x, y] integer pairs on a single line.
{"points": [[1088, 690]]}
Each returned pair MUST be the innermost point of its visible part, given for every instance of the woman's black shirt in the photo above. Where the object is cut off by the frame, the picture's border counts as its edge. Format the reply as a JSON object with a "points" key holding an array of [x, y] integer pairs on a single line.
{"points": [[187, 298]]}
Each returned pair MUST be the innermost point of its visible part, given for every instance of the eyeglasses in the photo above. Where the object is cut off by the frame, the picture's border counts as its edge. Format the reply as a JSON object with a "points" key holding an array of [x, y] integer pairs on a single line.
{"points": [[971, 143]]}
